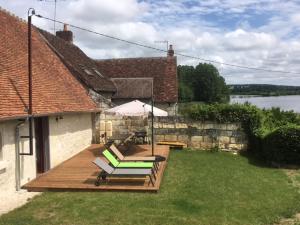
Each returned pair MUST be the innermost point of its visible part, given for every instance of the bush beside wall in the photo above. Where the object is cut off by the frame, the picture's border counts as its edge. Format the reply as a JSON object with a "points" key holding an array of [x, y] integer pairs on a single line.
{"points": [[273, 135], [283, 145]]}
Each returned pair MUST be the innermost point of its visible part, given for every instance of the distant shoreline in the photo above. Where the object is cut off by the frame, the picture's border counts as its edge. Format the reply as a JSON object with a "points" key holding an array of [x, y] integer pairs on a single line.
{"points": [[263, 90], [251, 95]]}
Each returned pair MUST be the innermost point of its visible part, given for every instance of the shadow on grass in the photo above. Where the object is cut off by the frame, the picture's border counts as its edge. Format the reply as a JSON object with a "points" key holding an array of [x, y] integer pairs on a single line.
{"points": [[256, 161]]}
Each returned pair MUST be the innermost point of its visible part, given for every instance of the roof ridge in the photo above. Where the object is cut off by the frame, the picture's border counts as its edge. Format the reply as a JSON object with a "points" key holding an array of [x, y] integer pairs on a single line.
{"points": [[131, 58], [13, 15]]}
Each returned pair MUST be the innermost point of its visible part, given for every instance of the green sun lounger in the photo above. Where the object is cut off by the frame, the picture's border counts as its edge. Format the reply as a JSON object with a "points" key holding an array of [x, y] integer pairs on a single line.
{"points": [[123, 158], [117, 164], [108, 171]]}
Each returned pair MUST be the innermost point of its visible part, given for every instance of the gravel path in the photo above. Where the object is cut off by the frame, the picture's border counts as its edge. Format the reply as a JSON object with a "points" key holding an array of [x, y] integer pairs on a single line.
{"points": [[12, 200]]}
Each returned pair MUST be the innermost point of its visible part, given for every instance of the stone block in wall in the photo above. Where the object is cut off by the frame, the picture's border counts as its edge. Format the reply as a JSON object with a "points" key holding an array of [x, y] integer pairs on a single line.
{"points": [[220, 126], [224, 139], [155, 125], [225, 133], [168, 125], [118, 123], [113, 117], [127, 122], [159, 137], [181, 125], [208, 126], [208, 139], [236, 147], [233, 126], [193, 131], [137, 122], [197, 139], [238, 140], [108, 126], [197, 125], [206, 145], [183, 138], [180, 131], [213, 133], [102, 126], [160, 125], [102, 116], [170, 137], [160, 131]]}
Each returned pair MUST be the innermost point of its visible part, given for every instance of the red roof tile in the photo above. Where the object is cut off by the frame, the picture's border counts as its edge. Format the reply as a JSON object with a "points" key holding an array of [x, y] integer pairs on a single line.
{"points": [[55, 90], [162, 69]]}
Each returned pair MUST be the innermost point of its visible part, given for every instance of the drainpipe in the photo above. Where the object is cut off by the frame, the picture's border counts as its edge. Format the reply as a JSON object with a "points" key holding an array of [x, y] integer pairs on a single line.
{"points": [[17, 144]]}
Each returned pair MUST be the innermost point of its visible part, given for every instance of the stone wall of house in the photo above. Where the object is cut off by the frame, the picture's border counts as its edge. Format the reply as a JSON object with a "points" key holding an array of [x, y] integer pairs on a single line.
{"points": [[200, 135], [8, 159], [68, 136], [103, 102]]}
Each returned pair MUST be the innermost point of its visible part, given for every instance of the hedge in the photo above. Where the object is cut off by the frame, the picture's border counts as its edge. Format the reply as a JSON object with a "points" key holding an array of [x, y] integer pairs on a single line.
{"points": [[283, 145], [273, 134]]}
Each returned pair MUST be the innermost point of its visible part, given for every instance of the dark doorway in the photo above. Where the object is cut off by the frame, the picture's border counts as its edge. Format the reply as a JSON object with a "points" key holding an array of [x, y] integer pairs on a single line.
{"points": [[41, 128]]}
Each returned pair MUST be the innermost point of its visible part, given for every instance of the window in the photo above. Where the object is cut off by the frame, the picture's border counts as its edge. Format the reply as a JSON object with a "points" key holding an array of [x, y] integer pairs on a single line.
{"points": [[88, 72], [97, 72]]}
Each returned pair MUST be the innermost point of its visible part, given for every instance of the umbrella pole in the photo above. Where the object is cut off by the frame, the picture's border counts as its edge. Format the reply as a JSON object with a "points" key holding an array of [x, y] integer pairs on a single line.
{"points": [[152, 127]]}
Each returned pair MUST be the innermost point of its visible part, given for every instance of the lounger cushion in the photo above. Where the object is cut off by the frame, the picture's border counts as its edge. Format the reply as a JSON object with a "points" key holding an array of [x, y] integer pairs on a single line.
{"points": [[103, 165], [118, 164], [110, 158], [132, 172], [135, 165], [115, 151]]}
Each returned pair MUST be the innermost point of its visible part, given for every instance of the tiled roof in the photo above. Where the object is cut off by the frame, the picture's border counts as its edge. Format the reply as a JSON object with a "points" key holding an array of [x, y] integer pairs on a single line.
{"points": [[162, 69], [55, 90], [142, 88], [83, 67]]}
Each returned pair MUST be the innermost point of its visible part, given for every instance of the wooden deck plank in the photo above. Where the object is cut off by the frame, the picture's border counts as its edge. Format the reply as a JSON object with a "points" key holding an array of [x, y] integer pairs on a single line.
{"points": [[79, 173]]}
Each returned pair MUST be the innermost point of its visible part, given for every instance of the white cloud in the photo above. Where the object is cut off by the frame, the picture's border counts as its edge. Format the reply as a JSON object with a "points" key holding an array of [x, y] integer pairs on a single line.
{"points": [[272, 44]]}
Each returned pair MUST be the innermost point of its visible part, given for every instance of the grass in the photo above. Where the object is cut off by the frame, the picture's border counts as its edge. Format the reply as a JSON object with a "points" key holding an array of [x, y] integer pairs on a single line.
{"points": [[198, 188]]}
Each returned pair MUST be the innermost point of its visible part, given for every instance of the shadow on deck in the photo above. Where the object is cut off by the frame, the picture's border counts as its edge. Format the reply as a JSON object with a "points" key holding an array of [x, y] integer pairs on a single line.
{"points": [[79, 173]]}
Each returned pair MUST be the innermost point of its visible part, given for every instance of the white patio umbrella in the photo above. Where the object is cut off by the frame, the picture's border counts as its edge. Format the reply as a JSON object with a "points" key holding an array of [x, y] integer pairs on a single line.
{"points": [[138, 108], [135, 108]]}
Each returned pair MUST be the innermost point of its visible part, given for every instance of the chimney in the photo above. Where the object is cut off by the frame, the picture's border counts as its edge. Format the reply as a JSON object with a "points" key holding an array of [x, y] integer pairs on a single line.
{"points": [[65, 34], [170, 51]]}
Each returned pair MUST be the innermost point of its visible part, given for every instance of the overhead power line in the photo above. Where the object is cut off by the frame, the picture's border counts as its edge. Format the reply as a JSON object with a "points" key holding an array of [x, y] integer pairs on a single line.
{"points": [[162, 50]]}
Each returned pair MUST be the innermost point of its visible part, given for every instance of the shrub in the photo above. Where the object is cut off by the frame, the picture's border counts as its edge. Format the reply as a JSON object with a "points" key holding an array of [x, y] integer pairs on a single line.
{"points": [[283, 145], [273, 127]]}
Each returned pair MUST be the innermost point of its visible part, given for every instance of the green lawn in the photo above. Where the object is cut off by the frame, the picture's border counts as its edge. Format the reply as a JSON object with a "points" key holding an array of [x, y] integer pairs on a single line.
{"points": [[198, 188]]}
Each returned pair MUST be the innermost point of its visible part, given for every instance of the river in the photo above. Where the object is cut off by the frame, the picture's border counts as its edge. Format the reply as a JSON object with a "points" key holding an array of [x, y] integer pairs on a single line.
{"points": [[290, 102]]}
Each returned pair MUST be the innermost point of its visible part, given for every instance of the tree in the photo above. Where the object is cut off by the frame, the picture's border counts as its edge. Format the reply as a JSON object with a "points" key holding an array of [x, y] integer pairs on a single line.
{"points": [[202, 83], [186, 87]]}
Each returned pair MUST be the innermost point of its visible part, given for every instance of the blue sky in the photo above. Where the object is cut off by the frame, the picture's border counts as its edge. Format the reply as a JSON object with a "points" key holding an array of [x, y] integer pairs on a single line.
{"points": [[263, 34]]}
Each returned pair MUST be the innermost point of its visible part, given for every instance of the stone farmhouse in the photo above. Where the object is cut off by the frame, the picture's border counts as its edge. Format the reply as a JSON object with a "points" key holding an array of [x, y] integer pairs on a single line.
{"points": [[62, 107], [70, 91]]}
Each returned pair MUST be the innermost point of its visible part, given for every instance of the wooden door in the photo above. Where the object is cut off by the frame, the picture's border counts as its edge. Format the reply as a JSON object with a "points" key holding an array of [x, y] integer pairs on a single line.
{"points": [[41, 127]]}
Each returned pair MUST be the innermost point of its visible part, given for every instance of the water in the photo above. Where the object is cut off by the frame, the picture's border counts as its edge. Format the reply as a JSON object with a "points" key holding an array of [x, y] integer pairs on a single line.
{"points": [[291, 102]]}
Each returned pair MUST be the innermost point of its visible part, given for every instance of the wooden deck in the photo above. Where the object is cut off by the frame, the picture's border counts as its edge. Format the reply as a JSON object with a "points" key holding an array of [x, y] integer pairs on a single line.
{"points": [[79, 173]]}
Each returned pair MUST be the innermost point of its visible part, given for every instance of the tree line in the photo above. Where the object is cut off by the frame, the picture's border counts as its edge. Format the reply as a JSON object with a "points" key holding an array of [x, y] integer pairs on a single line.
{"points": [[263, 89]]}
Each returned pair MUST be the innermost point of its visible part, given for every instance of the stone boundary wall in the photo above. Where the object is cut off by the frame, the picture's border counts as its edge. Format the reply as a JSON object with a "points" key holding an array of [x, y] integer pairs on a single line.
{"points": [[121, 126], [195, 134], [200, 135]]}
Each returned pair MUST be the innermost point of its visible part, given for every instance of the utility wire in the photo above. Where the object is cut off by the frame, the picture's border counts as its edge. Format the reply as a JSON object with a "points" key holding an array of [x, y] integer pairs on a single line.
{"points": [[162, 50]]}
